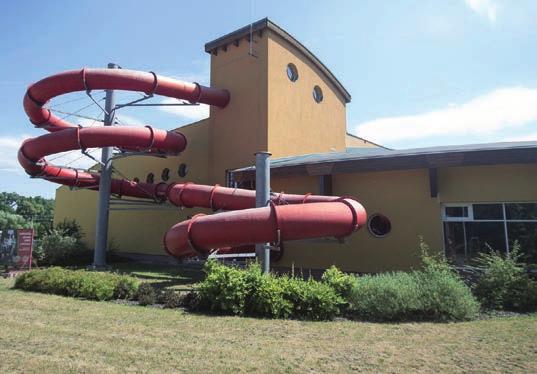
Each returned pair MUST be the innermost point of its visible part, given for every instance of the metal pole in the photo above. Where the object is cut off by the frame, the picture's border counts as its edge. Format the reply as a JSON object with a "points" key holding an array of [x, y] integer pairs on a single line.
{"points": [[262, 198], [101, 227]]}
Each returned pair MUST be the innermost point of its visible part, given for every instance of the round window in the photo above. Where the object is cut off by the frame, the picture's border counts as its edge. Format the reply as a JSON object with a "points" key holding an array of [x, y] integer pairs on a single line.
{"points": [[182, 170], [165, 174], [379, 225], [292, 72], [317, 94], [150, 178]]}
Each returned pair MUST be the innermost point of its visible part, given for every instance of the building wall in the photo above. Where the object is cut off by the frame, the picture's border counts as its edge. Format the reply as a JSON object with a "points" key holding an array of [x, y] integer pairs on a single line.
{"points": [[363, 252], [297, 124], [404, 197], [515, 183], [239, 130], [140, 231]]}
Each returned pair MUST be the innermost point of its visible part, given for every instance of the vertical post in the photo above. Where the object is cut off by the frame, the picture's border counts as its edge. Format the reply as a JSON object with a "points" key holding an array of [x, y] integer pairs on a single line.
{"points": [[101, 227], [262, 198]]}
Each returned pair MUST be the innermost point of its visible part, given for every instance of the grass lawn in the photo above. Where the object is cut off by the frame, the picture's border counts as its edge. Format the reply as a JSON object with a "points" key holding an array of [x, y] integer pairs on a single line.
{"points": [[57, 334]]}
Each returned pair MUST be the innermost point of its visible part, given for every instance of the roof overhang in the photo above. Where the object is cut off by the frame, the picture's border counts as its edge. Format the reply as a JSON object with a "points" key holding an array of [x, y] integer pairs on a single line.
{"points": [[400, 160]]}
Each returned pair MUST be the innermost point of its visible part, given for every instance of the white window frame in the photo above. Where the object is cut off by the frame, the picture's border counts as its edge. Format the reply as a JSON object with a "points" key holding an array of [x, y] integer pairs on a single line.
{"points": [[470, 218]]}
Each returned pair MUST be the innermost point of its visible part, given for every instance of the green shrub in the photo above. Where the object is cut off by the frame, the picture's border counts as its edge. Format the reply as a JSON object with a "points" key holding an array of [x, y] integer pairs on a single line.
{"points": [[342, 283], [505, 284], [265, 294], [250, 292], [78, 283], [434, 293], [126, 288], [146, 294], [58, 248], [444, 296], [224, 289], [71, 228], [172, 299], [385, 297], [311, 299]]}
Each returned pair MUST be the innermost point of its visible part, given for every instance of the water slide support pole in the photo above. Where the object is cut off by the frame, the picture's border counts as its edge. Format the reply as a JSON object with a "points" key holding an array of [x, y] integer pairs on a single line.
{"points": [[101, 228], [262, 199]]}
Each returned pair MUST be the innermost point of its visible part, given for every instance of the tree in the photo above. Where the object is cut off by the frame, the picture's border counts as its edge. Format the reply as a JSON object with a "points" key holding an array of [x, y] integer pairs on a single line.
{"points": [[37, 210], [12, 221]]}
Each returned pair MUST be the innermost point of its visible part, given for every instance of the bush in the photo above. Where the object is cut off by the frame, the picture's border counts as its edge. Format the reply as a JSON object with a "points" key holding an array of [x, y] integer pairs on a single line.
{"points": [[71, 228], [146, 294], [311, 299], [435, 293], [342, 283], [59, 248], [78, 283], [505, 284], [126, 288], [385, 297], [224, 289], [172, 299], [265, 295], [250, 292]]}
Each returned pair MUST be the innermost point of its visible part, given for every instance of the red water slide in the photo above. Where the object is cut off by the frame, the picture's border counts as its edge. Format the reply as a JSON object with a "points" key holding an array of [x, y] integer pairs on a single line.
{"points": [[288, 217]]}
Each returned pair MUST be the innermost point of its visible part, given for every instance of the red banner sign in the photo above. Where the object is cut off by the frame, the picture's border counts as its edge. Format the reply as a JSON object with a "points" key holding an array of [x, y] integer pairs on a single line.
{"points": [[25, 239]]}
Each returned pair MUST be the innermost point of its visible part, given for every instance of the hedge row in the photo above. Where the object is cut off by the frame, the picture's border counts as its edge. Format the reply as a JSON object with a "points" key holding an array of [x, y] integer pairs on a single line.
{"points": [[79, 283], [248, 291], [435, 293]]}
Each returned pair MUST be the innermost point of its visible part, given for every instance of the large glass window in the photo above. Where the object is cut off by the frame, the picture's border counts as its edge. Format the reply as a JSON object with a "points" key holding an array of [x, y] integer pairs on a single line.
{"points": [[470, 229]]}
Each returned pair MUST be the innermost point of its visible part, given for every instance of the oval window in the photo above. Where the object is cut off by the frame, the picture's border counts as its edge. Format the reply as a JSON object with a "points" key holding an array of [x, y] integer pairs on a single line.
{"points": [[317, 94], [183, 170], [165, 174], [150, 178], [292, 72], [379, 225]]}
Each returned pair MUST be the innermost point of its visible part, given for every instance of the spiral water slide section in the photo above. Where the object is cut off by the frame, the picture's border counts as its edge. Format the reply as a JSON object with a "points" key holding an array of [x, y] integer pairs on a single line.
{"points": [[287, 217]]}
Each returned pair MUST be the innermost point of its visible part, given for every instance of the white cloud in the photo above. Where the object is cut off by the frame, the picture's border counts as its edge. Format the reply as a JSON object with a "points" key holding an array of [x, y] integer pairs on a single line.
{"points": [[9, 147], [485, 8], [486, 115], [188, 112], [129, 120], [522, 138]]}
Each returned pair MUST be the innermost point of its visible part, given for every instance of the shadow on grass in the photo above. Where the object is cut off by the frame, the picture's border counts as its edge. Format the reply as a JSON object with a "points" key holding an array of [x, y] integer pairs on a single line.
{"points": [[162, 276]]}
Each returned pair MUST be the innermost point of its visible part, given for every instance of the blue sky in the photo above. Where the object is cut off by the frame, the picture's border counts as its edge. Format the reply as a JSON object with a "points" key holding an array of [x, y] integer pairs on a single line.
{"points": [[421, 73]]}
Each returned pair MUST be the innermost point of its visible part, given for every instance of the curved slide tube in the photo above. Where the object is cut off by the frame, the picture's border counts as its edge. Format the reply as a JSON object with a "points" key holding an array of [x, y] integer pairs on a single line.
{"points": [[289, 216]]}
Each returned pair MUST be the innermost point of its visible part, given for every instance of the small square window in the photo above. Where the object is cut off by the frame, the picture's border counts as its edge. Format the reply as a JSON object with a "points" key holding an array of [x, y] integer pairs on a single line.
{"points": [[456, 211]]}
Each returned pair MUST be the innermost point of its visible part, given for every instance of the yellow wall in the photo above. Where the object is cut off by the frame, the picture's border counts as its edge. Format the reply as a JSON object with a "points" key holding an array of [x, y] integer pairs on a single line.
{"points": [[404, 197], [239, 130], [79, 205], [379, 193], [297, 124], [488, 183]]}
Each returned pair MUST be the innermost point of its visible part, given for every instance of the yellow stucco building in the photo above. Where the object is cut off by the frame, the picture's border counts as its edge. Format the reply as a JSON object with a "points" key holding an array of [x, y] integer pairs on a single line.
{"points": [[284, 100]]}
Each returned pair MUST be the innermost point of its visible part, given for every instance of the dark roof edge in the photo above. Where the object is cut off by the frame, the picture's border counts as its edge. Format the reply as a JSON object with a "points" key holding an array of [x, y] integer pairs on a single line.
{"points": [[518, 154], [265, 23], [366, 140]]}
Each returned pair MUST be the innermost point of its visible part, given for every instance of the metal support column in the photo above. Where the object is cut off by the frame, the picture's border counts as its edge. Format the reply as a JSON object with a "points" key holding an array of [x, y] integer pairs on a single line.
{"points": [[101, 227], [262, 198]]}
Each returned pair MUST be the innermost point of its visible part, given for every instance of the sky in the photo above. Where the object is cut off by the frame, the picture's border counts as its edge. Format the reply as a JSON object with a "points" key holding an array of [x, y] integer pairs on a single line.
{"points": [[421, 73]]}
